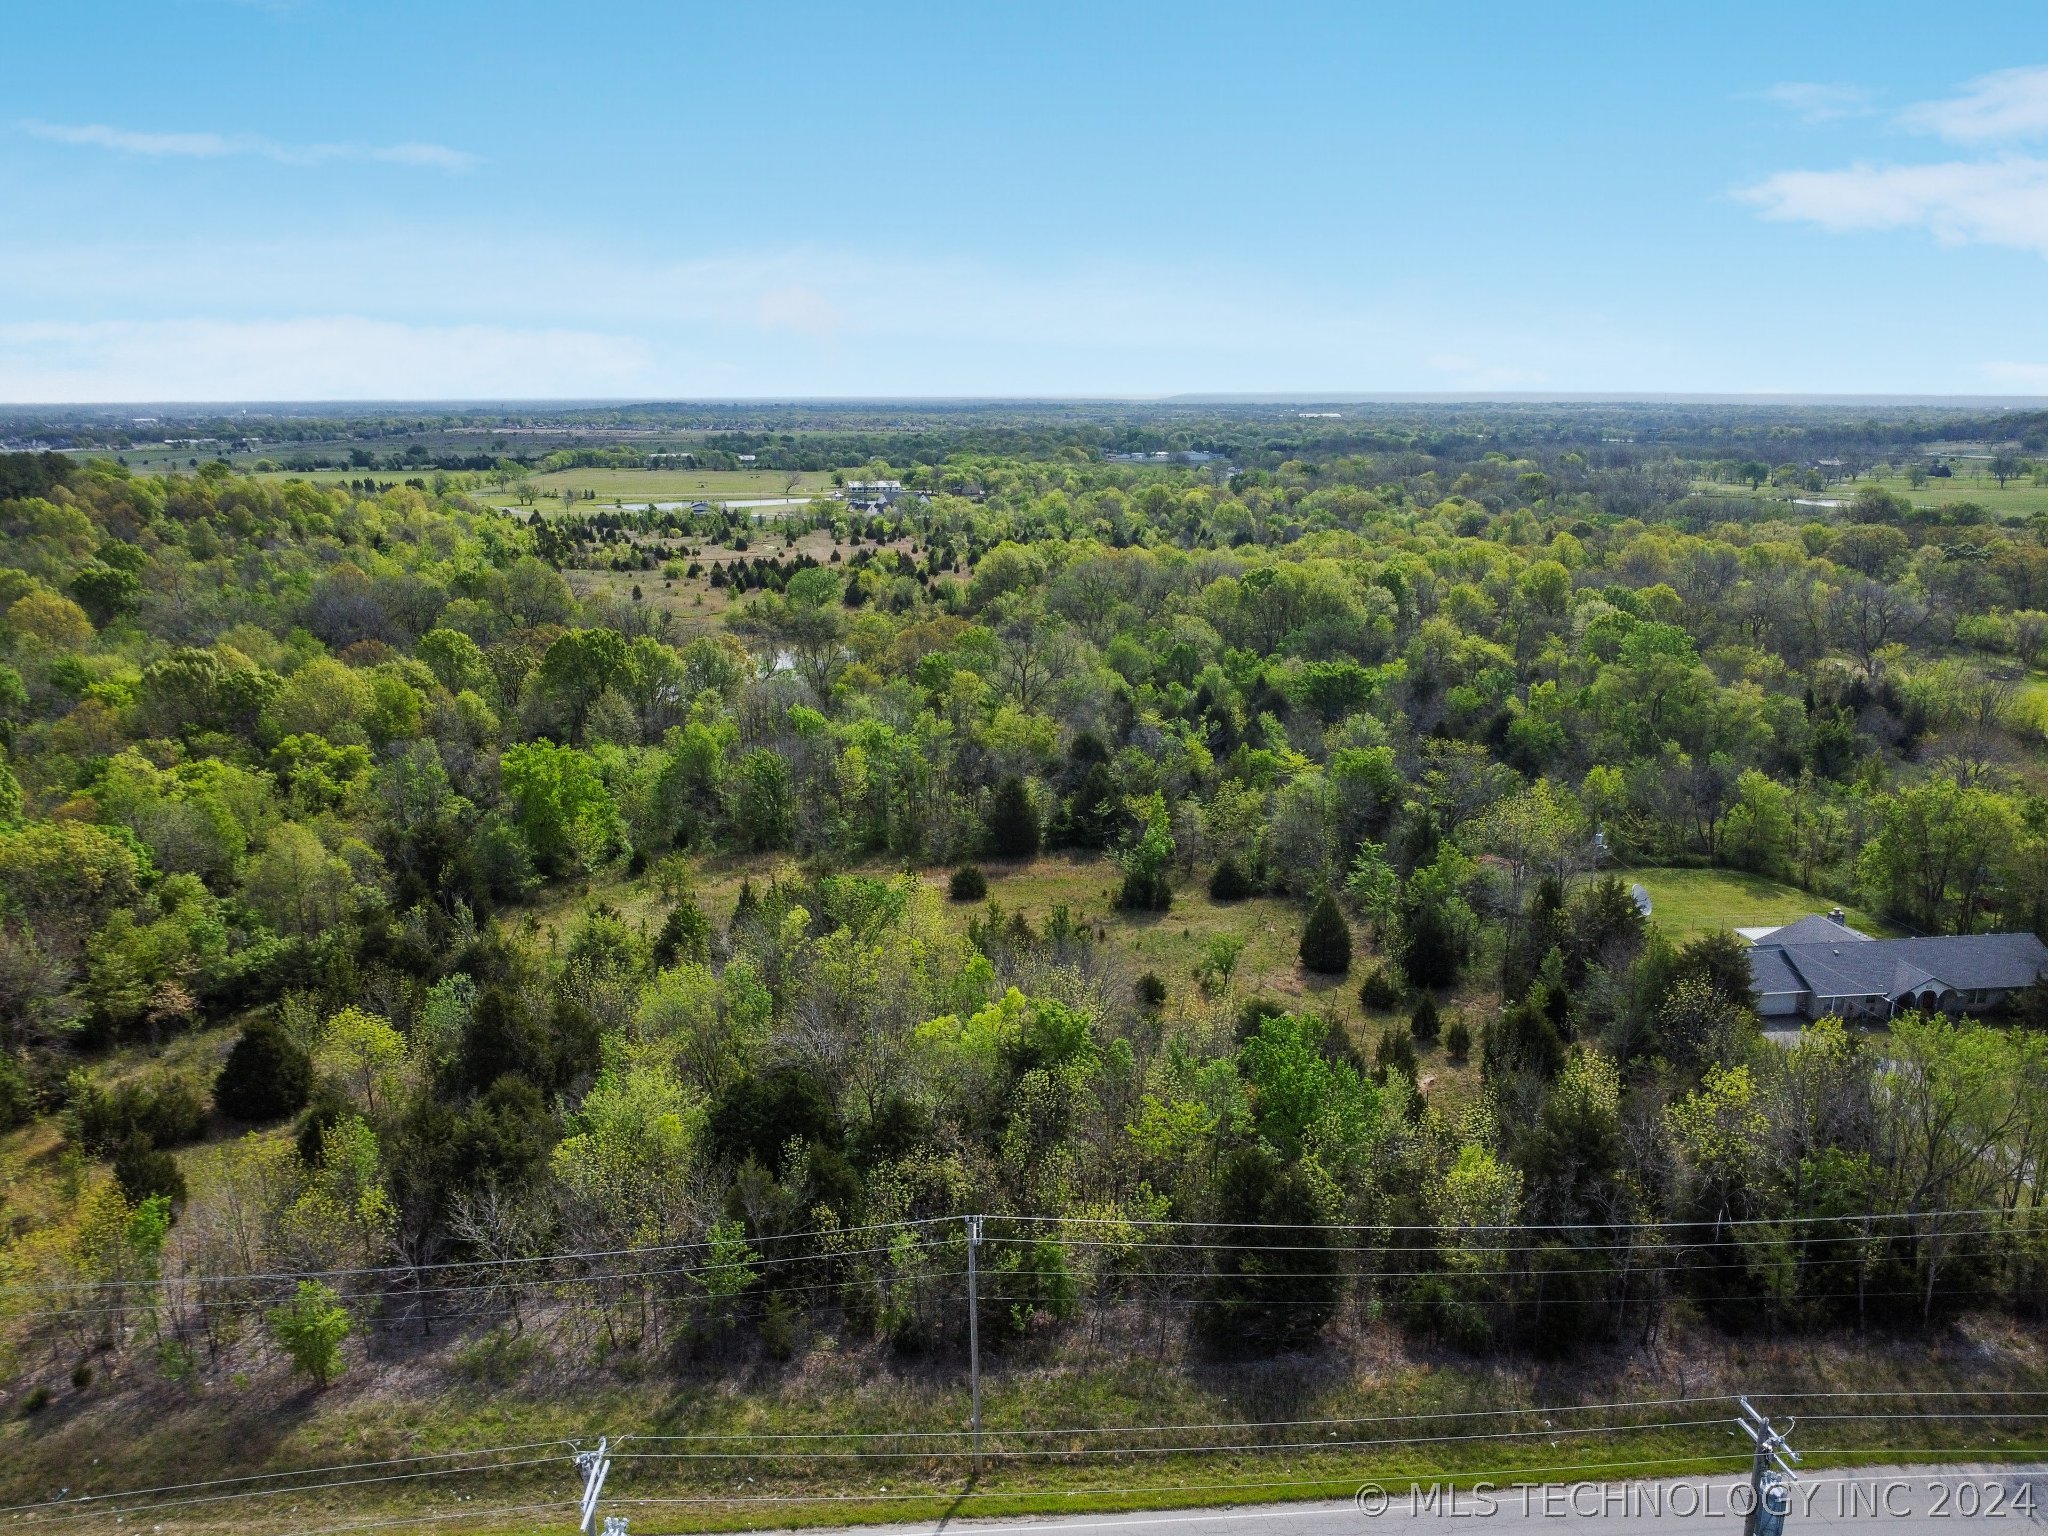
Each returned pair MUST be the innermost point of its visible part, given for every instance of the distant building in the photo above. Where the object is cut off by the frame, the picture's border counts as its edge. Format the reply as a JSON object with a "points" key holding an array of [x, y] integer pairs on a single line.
{"points": [[872, 493], [1820, 966]]}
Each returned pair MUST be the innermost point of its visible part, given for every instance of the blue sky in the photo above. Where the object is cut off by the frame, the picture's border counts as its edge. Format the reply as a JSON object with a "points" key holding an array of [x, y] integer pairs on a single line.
{"points": [[244, 199]]}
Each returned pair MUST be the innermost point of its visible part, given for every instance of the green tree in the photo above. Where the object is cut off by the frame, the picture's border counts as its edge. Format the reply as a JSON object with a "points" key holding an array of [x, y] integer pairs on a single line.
{"points": [[310, 1329], [1326, 939], [1146, 862], [579, 667], [296, 884], [730, 1269], [562, 805], [763, 803], [806, 624], [1941, 854]]}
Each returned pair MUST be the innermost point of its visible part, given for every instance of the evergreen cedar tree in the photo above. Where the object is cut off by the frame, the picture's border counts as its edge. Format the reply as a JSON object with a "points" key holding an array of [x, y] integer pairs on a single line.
{"points": [[1145, 886], [143, 1169], [1379, 990], [1458, 1040], [1423, 1023], [1227, 882], [1012, 823], [266, 1076], [1395, 1053], [1326, 940], [685, 937], [1273, 1281], [968, 883]]}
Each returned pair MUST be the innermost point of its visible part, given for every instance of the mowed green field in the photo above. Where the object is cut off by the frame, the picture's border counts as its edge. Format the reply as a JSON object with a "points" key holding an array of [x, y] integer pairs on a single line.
{"points": [[640, 486], [1684, 902], [2021, 497]]}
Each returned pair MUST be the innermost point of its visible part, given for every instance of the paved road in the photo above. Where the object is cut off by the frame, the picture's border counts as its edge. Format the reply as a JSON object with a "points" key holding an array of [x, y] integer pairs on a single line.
{"points": [[1904, 1501]]}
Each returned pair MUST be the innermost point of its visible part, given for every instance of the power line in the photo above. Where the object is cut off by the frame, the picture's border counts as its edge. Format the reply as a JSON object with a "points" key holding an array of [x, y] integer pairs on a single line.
{"points": [[320, 1471], [1436, 1231], [572, 1255], [794, 1497], [297, 1488], [1098, 1491], [1619, 1405], [1178, 1450]]}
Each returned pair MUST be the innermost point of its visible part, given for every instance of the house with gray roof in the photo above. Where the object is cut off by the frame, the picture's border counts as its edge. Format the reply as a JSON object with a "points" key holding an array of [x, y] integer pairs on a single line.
{"points": [[1820, 966]]}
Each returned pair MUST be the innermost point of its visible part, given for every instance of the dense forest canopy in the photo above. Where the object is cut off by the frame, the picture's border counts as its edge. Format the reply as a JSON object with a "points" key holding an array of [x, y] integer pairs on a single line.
{"points": [[462, 906]]}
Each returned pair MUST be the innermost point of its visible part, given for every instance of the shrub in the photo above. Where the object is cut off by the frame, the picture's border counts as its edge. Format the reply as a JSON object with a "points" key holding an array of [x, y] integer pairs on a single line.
{"points": [[168, 1108], [142, 1169], [1151, 991], [1144, 890], [1423, 1024], [310, 1328], [266, 1076], [779, 1327], [1326, 940], [1395, 1053], [1380, 990], [968, 883], [1252, 1013], [1227, 882], [685, 936], [81, 1376], [1458, 1040], [37, 1400]]}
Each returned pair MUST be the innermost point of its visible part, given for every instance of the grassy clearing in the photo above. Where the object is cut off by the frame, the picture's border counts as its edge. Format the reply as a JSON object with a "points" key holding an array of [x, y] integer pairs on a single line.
{"points": [[637, 487], [692, 602], [2031, 708], [1684, 902], [1170, 945]]}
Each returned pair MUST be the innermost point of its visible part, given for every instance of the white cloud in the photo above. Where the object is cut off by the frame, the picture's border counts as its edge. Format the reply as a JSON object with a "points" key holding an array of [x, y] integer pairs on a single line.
{"points": [[1818, 103], [214, 146], [1991, 202], [2010, 104], [336, 357]]}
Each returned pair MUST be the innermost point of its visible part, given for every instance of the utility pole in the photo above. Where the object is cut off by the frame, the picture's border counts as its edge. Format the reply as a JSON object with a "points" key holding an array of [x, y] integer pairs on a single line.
{"points": [[1770, 1473], [595, 1467], [974, 1336]]}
